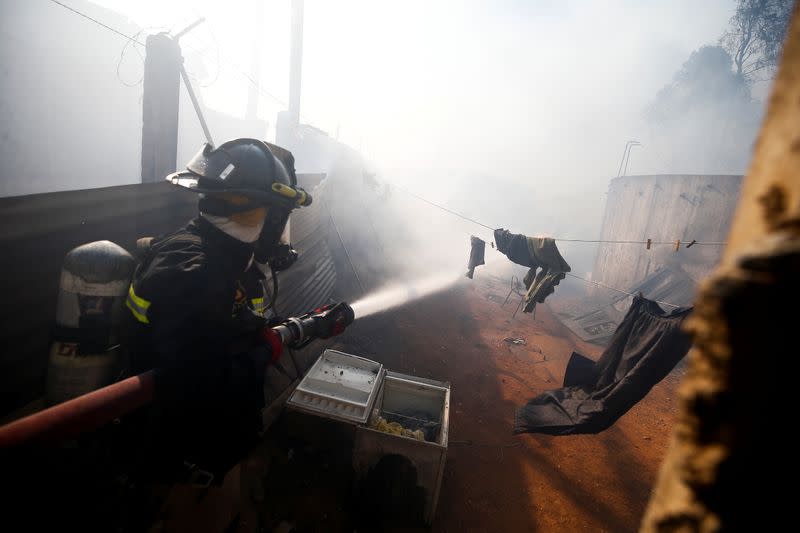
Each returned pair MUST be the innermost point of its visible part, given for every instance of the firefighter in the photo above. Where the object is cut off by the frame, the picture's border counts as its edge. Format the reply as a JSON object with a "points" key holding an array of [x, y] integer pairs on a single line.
{"points": [[192, 320]]}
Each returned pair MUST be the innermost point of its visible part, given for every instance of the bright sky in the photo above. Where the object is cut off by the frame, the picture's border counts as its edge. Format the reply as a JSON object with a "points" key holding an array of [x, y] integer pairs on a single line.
{"points": [[434, 88]]}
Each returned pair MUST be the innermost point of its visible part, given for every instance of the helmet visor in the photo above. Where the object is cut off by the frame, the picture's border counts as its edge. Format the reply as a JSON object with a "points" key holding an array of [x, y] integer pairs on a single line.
{"points": [[210, 163], [212, 166]]}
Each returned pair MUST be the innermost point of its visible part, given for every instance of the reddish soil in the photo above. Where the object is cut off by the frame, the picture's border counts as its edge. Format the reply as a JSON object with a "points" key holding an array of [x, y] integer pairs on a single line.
{"points": [[495, 481]]}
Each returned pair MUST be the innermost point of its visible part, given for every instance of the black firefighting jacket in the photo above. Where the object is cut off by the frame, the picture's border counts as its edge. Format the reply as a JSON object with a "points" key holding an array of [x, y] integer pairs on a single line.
{"points": [[193, 322]]}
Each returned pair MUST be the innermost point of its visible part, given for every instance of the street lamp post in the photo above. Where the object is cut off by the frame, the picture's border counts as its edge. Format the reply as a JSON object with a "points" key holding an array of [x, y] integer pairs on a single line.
{"points": [[626, 157]]}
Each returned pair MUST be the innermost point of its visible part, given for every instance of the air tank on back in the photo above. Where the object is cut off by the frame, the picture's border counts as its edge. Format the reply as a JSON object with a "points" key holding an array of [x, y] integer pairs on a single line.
{"points": [[84, 351]]}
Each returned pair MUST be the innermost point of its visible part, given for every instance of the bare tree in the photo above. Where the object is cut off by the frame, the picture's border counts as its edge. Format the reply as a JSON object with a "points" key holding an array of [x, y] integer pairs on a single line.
{"points": [[755, 36]]}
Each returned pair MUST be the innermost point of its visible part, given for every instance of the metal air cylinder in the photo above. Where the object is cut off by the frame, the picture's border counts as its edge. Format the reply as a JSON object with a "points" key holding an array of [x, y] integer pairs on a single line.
{"points": [[91, 297]]}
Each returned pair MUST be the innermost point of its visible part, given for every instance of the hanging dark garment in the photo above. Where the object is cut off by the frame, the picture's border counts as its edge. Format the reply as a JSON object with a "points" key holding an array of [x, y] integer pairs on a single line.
{"points": [[515, 247], [476, 255], [644, 349], [553, 269], [547, 266]]}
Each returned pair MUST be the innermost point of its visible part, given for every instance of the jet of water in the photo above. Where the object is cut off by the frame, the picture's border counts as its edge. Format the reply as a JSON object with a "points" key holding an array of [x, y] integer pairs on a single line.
{"points": [[396, 294]]}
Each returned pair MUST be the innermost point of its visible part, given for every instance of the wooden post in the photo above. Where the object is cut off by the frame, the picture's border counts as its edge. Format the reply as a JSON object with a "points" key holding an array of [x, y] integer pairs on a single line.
{"points": [[160, 107]]}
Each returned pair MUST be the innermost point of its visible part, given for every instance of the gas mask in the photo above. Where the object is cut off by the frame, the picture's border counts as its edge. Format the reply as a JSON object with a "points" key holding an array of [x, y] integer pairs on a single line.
{"points": [[273, 245]]}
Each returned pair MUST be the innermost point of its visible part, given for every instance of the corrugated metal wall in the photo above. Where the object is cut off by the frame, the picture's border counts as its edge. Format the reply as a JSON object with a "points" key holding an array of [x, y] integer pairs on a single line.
{"points": [[38, 230], [310, 282]]}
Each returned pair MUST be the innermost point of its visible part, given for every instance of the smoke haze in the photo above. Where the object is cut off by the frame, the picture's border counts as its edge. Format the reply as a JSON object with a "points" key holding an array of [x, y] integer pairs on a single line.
{"points": [[513, 113]]}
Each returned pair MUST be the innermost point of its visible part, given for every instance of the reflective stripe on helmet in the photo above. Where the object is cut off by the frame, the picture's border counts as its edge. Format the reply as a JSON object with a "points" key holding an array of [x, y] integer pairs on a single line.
{"points": [[300, 196], [138, 306]]}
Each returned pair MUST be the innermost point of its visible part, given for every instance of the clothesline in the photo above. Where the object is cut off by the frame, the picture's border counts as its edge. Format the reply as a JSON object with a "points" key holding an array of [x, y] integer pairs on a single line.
{"points": [[618, 290], [676, 241], [445, 209], [648, 242], [600, 285]]}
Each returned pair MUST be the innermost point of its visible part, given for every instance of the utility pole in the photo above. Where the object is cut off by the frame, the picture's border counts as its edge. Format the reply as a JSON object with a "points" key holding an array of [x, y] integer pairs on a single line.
{"points": [[289, 120], [296, 62], [255, 65], [162, 74]]}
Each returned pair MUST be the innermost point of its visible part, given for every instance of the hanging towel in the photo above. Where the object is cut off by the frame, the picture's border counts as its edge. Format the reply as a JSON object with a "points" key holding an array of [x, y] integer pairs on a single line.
{"points": [[476, 255], [644, 349], [541, 255]]}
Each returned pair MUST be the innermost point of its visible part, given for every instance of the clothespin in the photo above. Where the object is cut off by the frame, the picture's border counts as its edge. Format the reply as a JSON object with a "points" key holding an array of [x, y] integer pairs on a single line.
{"points": [[691, 243], [677, 245], [649, 242]]}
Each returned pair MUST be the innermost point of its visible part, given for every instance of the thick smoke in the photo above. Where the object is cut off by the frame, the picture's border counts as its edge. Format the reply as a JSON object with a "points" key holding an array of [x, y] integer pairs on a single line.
{"points": [[705, 120], [512, 113]]}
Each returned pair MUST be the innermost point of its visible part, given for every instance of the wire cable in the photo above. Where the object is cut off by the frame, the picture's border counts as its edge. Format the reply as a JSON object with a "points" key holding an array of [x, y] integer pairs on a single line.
{"points": [[132, 38], [642, 242], [219, 63], [445, 209], [672, 243], [569, 240], [618, 290], [217, 53], [122, 57], [106, 26]]}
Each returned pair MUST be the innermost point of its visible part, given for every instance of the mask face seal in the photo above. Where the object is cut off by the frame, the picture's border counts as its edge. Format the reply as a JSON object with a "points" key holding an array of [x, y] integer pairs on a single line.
{"points": [[215, 205], [273, 244]]}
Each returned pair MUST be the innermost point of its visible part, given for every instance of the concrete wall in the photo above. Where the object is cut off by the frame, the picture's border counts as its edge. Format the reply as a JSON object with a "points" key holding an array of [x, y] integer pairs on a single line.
{"points": [[664, 208]]}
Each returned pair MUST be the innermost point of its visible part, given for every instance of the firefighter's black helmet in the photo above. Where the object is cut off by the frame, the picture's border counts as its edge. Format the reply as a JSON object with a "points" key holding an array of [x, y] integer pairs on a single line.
{"points": [[244, 167]]}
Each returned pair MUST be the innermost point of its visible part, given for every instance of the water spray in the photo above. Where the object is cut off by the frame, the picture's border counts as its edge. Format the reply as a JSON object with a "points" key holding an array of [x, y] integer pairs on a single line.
{"points": [[397, 294]]}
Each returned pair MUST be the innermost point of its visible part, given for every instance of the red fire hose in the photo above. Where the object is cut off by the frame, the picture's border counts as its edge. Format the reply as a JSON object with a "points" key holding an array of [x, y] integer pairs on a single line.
{"points": [[81, 414], [90, 411]]}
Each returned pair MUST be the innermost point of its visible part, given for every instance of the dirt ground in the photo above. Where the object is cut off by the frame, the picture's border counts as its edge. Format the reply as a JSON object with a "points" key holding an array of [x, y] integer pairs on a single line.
{"points": [[495, 481]]}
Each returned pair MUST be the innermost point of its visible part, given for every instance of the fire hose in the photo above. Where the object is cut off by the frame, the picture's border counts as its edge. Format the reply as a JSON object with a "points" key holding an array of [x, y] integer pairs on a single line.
{"points": [[97, 408]]}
